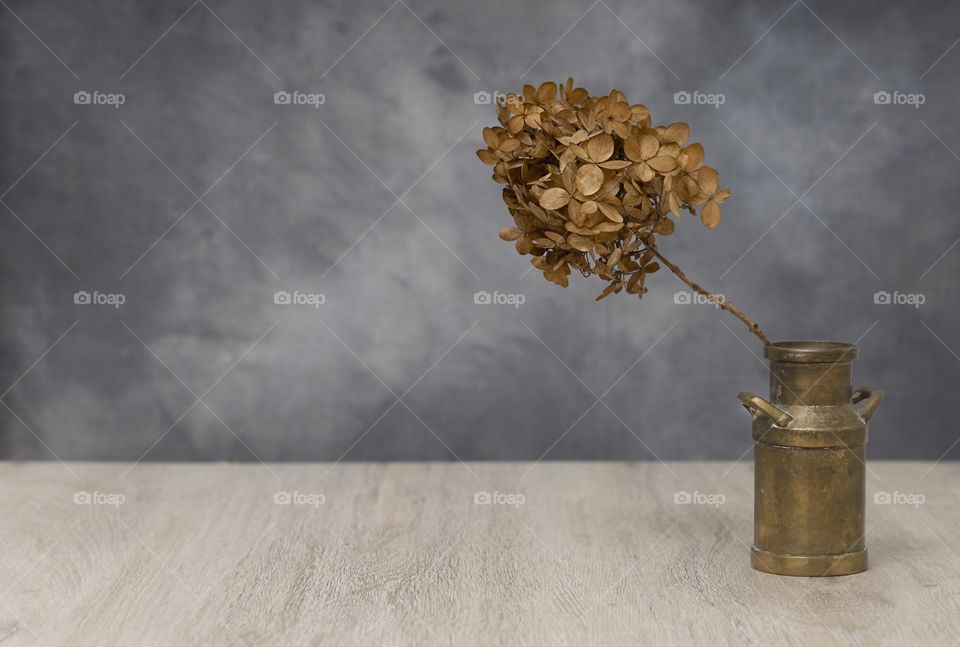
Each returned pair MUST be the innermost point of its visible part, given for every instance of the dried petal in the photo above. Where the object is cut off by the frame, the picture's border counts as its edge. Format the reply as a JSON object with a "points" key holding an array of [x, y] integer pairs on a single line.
{"points": [[707, 179], [583, 243], [599, 148], [631, 148], [554, 198], [673, 203], [678, 132], [607, 291], [606, 227], [663, 163], [710, 214], [547, 92], [615, 164], [694, 154], [577, 229], [589, 179], [578, 96], [575, 213], [610, 212], [639, 113], [510, 233], [665, 226], [487, 156], [649, 145]]}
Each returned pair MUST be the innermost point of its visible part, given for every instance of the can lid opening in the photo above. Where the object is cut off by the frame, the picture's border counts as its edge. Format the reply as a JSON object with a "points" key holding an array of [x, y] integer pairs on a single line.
{"points": [[810, 352]]}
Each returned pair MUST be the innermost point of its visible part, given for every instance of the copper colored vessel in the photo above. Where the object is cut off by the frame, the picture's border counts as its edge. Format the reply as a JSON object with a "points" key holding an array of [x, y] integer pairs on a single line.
{"points": [[809, 452]]}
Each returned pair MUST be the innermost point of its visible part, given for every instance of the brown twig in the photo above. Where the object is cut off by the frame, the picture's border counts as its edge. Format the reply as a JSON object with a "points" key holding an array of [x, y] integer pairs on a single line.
{"points": [[726, 305]]}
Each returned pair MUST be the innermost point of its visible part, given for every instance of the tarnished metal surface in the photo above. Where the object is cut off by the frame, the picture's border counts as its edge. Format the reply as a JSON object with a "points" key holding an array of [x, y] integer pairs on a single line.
{"points": [[809, 452]]}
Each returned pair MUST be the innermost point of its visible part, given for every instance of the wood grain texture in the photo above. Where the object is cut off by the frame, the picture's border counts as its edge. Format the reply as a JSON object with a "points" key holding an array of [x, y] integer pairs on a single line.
{"points": [[399, 554]]}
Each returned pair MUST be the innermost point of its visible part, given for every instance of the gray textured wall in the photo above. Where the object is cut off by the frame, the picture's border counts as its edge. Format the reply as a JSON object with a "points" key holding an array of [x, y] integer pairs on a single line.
{"points": [[376, 200]]}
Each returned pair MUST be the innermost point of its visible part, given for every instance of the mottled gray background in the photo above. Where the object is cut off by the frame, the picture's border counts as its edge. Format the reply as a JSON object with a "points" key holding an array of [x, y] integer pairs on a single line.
{"points": [[377, 201]]}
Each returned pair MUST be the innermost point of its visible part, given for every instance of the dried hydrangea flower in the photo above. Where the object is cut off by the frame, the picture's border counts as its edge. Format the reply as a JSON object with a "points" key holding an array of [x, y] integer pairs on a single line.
{"points": [[590, 183]]}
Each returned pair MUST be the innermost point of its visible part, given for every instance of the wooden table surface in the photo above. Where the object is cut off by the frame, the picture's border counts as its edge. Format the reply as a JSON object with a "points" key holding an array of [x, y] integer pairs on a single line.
{"points": [[401, 553]]}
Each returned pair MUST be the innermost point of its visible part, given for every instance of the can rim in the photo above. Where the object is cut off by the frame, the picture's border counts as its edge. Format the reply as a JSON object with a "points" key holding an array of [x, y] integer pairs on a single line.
{"points": [[810, 352]]}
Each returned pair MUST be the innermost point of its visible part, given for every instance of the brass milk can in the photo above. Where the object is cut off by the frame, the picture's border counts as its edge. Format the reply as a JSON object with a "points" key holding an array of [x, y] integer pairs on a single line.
{"points": [[809, 452]]}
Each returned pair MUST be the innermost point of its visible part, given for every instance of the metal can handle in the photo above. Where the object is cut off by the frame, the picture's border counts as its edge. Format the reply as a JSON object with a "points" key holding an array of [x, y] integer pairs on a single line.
{"points": [[871, 398], [757, 405]]}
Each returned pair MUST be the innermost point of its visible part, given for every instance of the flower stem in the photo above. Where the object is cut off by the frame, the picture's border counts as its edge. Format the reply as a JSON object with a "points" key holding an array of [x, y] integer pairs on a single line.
{"points": [[726, 305]]}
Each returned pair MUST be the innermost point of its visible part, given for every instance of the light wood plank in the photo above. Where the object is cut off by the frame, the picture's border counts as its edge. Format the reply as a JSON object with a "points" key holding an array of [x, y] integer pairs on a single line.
{"points": [[399, 554]]}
